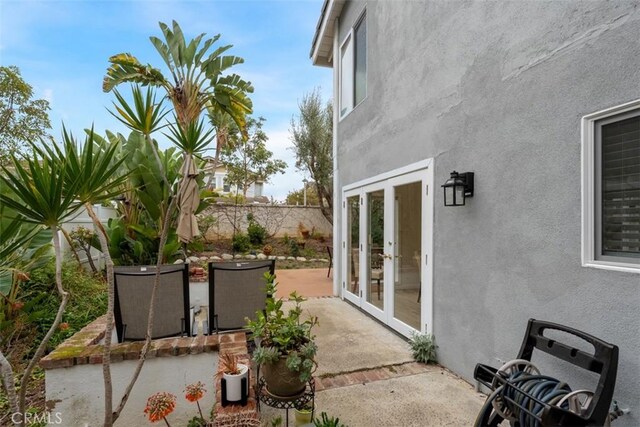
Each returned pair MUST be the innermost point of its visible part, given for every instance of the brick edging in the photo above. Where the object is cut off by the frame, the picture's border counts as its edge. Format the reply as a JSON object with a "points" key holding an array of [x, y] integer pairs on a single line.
{"points": [[84, 348], [367, 375]]}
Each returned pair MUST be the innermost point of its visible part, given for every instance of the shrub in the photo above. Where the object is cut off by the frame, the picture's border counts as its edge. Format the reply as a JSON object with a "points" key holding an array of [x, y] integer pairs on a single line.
{"points": [[423, 347], [294, 248], [257, 233], [241, 243], [88, 300]]}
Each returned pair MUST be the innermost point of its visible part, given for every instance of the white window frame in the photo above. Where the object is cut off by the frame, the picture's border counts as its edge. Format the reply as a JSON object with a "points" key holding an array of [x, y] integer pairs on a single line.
{"points": [[588, 134], [349, 43], [346, 66]]}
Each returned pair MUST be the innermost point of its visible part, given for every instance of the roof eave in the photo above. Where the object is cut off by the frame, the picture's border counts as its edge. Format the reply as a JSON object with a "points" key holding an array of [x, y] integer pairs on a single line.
{"points": [[322, 45]]}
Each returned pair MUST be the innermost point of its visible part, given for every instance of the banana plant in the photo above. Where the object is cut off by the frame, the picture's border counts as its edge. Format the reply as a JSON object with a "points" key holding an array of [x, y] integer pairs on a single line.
{"points": [[39, 192]]}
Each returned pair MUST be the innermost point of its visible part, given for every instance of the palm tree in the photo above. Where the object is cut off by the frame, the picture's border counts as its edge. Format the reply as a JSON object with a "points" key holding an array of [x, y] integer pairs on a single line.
{"points": [[40, 193]]}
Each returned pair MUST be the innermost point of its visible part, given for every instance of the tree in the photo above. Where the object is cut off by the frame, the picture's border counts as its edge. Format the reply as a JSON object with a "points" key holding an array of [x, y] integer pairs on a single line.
{"points": [[22, 119], [312, 137], [196, 82], [248, 161], [296, 197]]}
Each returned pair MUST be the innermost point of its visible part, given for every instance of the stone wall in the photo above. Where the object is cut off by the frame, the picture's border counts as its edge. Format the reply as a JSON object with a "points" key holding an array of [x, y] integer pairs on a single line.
{"points": [[277, 219]]}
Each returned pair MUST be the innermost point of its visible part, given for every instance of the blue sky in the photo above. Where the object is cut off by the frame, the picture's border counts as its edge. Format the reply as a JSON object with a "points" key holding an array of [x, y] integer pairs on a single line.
{"points": [[62, 49]]}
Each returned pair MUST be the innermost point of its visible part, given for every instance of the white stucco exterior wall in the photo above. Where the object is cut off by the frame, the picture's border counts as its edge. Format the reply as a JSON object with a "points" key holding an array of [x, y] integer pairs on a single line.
{"points": [[77, 393]]}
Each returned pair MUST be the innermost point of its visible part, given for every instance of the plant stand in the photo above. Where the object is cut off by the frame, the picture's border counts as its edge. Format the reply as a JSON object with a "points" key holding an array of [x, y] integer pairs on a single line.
{"points": [[286, 403]]}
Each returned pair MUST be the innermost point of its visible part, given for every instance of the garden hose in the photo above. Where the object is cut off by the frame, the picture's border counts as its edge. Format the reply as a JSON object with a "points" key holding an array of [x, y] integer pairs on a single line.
{"points": [[509, 401]]}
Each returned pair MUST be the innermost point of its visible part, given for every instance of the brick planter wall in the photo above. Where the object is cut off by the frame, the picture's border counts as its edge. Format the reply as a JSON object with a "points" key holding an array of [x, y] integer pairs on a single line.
{"points": [[74, 383]]}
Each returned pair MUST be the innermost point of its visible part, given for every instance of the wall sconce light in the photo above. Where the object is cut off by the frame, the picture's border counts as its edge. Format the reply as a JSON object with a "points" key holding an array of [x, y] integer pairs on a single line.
{"points": [[458, 188]]}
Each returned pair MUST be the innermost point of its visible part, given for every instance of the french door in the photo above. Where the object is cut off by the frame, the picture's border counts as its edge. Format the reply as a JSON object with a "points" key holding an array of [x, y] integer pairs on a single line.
{"points": [[387, 229]]}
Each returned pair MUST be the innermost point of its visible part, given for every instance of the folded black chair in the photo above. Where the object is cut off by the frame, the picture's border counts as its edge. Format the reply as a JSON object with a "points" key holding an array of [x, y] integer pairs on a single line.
{"points": [[133, 286], [236, 291]]}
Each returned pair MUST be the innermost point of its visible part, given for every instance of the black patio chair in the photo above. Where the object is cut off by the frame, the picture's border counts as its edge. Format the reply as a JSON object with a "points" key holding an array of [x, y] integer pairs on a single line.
{"points": [[133, 286], [236, 291]]}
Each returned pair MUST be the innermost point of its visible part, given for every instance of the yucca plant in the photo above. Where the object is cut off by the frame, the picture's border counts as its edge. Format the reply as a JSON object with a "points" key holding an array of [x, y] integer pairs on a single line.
{"points": [[41, 194], [96, 164]]}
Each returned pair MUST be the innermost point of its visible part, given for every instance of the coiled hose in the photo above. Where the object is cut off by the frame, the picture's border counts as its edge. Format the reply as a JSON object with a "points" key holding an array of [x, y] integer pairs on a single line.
{"points": [[514, 398]]}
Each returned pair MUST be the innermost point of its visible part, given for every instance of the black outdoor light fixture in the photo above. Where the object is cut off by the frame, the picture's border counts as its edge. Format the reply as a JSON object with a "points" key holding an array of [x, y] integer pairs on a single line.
{"points": [[458, 188]]}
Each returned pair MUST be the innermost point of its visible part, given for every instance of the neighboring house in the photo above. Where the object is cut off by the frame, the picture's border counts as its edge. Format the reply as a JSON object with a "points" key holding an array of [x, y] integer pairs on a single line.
{"points": [[541, 101], [215, 179]]}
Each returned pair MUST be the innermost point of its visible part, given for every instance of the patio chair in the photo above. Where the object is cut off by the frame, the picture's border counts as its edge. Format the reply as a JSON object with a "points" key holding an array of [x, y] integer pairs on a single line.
{"points": [[236, 291], [133, 286]]}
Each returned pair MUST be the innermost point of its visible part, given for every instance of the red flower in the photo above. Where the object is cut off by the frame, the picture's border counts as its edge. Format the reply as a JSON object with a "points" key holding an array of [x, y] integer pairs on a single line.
{"points": [[195, 392], [159, 406], [64, 326]]}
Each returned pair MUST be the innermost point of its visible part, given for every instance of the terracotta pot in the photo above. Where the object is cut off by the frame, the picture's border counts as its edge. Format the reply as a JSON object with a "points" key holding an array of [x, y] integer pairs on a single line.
{"points": [[234, 383], [280, 380]]}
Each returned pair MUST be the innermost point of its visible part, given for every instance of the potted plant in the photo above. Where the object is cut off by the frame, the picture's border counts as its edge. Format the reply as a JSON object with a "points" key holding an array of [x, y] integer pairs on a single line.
{"points": [[303, 414], [286, 347], [233, 373]]}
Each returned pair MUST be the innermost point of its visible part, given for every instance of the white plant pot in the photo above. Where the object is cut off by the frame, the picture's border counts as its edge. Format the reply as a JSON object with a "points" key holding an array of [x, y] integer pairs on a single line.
{"points": [[234, 383]]}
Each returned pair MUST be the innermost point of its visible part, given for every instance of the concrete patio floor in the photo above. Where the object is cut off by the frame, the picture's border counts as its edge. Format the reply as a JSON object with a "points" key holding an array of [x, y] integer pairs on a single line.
{"points": [[366, 376], [308, 282]]}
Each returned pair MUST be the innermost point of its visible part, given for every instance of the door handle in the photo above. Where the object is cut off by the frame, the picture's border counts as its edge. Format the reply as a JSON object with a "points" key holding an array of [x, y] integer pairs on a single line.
{"points": [[386, 256]]}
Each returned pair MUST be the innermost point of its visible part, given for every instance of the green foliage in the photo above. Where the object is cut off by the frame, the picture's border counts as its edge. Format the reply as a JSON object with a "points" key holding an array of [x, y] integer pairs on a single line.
{"points": [[277, 421], [38, 189], [88, 301], [256, 232], [423, 347], [240, 243], [33, 253], [296, 197], [284, 334], [196, 422], [197, 78], [135, 244], [294, 248], [22, 119], [248, 161], [205, 222], [326, 421], [312, 138]]}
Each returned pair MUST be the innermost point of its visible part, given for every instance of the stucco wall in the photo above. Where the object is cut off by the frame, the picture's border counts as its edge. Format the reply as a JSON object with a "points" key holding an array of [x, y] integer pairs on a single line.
{"points": [[498, 88], [277, 219], [78, 391]]}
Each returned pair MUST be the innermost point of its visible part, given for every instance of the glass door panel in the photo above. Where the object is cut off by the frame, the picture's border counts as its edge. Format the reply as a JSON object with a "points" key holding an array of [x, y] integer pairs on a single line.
{"points": [[375, 248], [407, 254], [353, 245]]}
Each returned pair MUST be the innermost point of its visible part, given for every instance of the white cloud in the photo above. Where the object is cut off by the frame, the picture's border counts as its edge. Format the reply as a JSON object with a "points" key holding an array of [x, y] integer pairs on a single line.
{"points": [[47, 94], [280, 185]]}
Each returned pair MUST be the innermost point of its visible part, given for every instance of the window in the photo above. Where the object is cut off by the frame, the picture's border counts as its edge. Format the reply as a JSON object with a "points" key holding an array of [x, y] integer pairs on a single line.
{"points": [[346, 77], [611, 173], [353, 67], [360, 75]]}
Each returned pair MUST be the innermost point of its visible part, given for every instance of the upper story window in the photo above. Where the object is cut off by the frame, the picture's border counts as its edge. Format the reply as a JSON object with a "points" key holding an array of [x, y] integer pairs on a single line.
{"points": [[353, 67], [360, 62], [611, 172]]}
